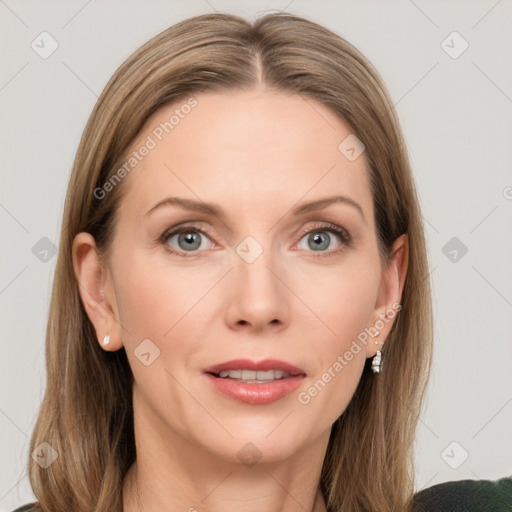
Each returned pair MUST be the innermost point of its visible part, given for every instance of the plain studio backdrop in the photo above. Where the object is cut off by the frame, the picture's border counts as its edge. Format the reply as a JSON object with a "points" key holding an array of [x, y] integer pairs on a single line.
{"points": [[448, 66]]}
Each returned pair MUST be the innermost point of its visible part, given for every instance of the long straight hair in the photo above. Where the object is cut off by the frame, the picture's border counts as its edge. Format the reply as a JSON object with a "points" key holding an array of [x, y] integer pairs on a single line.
{"points": [[86, 415]]}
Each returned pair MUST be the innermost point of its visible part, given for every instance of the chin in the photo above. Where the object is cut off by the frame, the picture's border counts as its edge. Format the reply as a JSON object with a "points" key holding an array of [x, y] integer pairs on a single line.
{"points": [[259, 444]]}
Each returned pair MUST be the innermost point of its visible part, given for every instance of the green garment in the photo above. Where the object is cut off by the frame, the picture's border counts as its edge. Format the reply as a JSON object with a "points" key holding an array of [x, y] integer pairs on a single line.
{"points": [[466, 496]]}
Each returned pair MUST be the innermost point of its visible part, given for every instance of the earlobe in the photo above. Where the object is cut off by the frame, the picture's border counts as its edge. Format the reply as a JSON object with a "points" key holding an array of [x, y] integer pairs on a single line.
{"points": [[91, 275]]}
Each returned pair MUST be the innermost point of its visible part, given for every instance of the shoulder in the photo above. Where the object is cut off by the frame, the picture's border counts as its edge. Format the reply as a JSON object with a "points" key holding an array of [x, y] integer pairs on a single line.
{"points": [[466, 496], [29, 507]]}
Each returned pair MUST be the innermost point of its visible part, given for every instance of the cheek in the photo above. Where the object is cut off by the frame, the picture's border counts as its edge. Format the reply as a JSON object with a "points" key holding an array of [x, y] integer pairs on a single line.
{"points": [[155, 303], [345, 301], [152, 295], [344, 298]]}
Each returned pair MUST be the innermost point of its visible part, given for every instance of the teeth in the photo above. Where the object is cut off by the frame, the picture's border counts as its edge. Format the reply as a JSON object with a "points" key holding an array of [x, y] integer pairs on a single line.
{"points": [[251, 375]]}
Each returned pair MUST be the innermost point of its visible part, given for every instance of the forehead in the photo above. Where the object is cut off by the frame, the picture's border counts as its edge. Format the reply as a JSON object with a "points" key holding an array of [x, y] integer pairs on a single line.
{"points": [[253, 149]]}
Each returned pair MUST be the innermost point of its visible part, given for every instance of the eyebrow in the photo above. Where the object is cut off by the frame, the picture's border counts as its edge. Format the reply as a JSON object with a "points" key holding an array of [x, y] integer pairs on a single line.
{"points": [[216, 210]]}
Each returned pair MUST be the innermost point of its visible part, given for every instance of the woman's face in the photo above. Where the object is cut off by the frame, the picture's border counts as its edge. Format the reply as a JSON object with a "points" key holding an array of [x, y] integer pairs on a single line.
{"points": [[263, 278]]}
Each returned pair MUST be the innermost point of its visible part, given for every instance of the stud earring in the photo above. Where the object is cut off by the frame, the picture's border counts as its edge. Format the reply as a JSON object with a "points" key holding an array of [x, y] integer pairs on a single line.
{"points": [[375, 335], [106, 339]]}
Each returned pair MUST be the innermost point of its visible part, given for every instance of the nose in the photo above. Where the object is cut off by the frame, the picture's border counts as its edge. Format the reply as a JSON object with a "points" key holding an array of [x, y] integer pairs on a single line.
{"points": [[257, 298]]}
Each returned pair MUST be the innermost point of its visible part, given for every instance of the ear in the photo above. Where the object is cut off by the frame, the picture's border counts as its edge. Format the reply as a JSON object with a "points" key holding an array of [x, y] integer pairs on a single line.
{"points": [[390, 293], [93, 278]]}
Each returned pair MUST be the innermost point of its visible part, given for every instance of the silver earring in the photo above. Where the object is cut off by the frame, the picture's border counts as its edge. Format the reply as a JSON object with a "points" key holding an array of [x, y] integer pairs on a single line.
{"points": [[377, 362], [106, 339], [375, 335]]}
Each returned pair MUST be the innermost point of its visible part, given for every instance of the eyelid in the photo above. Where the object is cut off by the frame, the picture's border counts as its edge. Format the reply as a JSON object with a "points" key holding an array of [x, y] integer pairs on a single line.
{"points": [[328, 226]]}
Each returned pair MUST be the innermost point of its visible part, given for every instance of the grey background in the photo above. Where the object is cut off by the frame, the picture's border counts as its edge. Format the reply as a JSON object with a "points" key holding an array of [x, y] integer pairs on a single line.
{"points": [[456, 116]]}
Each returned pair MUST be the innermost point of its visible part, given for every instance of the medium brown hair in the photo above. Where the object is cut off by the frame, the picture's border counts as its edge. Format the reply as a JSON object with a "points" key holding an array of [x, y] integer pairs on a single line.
{"points": [[86, 414]]}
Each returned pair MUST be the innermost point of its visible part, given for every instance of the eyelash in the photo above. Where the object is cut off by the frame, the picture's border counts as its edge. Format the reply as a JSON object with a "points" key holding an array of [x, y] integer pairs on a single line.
{"points": [[342, 233]]}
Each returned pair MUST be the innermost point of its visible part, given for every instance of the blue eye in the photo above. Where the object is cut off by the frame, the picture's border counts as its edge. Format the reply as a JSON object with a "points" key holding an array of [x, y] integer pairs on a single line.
{"points": [[189, 240], [319, 240]]}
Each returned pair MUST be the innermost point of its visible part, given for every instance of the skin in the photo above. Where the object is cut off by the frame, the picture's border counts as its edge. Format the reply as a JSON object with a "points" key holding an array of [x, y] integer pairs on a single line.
{"points": [[257, 154]]}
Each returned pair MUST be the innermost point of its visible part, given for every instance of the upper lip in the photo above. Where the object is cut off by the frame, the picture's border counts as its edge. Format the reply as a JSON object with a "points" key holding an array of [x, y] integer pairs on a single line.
{"points": [[247, 364]]}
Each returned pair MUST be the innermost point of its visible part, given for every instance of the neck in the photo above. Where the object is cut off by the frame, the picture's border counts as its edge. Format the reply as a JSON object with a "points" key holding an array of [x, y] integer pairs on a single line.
{"points": [[232, 491], [171, 473], [174, 471]]}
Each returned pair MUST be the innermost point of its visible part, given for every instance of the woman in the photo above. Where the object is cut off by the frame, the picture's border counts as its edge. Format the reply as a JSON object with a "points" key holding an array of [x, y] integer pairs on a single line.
{"points": [[241, 314]]}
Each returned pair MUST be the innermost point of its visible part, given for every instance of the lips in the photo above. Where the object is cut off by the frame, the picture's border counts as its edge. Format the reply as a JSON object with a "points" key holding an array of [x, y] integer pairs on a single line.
{"points": [[255, 383], [260, 366]]}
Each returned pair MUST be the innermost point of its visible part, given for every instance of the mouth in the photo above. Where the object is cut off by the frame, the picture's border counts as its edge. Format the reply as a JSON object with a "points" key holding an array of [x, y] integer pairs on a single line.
{"points": [[255, 383], [253, 377], [247, 370]]}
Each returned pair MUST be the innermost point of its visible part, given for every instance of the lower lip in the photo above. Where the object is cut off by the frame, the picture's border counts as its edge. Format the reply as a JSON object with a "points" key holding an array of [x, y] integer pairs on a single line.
{"points": [[256, 393]]}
